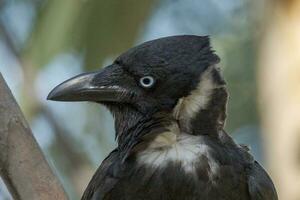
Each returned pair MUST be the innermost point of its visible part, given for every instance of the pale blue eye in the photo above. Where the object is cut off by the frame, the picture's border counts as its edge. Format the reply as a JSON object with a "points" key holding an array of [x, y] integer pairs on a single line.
{"points": [[147, 81]]}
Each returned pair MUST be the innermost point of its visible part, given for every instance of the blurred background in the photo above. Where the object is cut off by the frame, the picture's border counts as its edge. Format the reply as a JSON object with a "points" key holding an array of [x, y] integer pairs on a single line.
{"points": [[44, 42]]}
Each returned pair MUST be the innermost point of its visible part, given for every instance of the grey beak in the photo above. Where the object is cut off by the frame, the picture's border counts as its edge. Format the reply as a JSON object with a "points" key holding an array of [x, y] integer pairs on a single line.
{"points": [[84, 88]]}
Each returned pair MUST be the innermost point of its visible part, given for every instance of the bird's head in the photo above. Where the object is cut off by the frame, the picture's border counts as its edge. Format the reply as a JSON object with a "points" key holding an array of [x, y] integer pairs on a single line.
{"points": [[172, 75]]}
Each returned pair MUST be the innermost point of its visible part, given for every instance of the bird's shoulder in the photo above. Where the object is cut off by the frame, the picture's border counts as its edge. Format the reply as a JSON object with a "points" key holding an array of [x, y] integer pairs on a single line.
{"points": [[260, 185], [104, 178]]}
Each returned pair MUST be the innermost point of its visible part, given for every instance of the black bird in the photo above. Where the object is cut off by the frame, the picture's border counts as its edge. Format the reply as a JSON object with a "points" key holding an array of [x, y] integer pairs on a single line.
{"points": [[168, 99]]}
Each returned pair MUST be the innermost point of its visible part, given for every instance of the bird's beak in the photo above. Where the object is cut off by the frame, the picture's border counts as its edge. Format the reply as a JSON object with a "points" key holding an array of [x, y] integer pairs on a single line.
{"points": [[94, 86]]}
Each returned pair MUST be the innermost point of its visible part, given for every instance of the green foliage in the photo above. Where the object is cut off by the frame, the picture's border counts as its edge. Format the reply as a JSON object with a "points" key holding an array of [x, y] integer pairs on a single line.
{"points": [[96, 29]]}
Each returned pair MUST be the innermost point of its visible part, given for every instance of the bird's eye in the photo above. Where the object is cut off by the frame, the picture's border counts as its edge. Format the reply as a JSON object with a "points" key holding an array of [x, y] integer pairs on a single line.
{"points": [[147, 81]]}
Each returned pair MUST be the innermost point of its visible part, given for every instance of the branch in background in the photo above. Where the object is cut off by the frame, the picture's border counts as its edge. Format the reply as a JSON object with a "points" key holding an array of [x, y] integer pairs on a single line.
{"points": [[77, 165], [23, 167], [7, 39], [76, 161]]}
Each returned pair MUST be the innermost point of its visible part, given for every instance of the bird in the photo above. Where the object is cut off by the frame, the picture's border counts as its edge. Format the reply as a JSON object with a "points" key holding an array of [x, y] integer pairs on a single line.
{"points": [[168, 98]]}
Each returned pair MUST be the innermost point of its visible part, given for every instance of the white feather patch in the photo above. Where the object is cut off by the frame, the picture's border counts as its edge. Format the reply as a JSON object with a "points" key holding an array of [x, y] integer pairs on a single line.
{"points": [[172, 147], [187, 107]]}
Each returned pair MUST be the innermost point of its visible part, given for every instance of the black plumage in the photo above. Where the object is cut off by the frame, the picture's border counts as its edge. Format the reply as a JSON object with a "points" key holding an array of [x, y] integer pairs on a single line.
{"points": [[168, 99]]}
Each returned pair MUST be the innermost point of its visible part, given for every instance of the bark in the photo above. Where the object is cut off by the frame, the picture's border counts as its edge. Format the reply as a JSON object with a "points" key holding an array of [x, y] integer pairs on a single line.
{"points": [[279, 75], [23, 167]]}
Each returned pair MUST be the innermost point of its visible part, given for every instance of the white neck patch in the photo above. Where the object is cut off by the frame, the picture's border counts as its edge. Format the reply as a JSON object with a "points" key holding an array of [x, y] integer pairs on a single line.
{"points": [[187, 107], [169, 147]]}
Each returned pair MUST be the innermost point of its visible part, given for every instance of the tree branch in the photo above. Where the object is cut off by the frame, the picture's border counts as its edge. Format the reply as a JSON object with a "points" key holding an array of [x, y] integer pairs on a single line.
{"points": [[23, 167]]}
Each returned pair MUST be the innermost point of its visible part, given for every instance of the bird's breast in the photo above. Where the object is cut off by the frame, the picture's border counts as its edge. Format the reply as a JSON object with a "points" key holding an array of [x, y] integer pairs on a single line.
{"points": [[182, 149]]}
